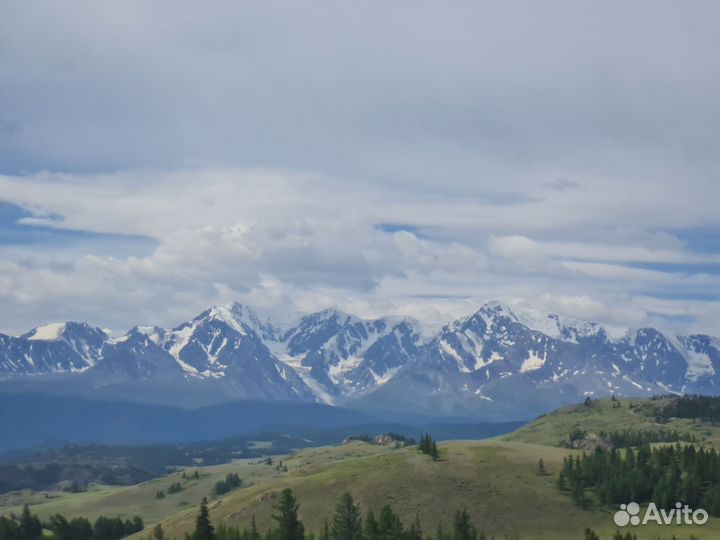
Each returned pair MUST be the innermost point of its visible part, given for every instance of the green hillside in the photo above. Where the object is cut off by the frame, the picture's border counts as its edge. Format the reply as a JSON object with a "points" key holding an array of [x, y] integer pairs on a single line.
{"points": [[498, 481], [607, 415]]}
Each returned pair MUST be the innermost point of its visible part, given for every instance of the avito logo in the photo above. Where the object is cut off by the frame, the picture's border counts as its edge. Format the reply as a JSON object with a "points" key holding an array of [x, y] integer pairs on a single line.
{"points": [[629, 514]]}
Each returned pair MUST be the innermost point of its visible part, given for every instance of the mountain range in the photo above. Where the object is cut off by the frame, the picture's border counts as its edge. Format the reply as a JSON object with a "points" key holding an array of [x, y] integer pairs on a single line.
{"points": [[492, 364]]}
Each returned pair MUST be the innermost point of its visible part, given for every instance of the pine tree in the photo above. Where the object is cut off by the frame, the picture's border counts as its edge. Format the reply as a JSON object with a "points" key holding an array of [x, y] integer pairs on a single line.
{"points": [[203, 528], [462, 527], [289, 525], [254, 533], [434, 453], [325, 535], [347, 521], [415, 532], [158, 533], [30, 526], [81, 529], [389, 524], [371, 526]]}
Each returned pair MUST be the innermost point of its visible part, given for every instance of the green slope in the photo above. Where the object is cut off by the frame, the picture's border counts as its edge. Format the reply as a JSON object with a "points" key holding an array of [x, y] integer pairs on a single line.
{"points": [[606, 415], [496, 480]]}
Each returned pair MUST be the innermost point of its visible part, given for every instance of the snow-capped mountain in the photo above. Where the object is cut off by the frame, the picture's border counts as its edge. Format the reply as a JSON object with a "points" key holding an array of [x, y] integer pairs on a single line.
{"points": [[53, 348], [342, 356], [492, 361]]}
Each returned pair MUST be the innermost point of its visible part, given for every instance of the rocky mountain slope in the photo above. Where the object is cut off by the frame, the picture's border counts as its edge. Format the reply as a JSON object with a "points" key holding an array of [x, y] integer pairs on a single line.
{"points": [[491, 361]]}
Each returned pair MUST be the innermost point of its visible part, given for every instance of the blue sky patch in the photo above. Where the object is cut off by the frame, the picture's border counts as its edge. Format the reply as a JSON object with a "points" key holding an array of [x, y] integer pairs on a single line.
{"points": [[13, 233]]}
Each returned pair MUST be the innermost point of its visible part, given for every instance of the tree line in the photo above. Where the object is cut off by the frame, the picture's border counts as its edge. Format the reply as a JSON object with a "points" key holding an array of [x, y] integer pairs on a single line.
{"points": [[705, 408], [346, 523], [27, 526], [663, 475], [624, 438]]}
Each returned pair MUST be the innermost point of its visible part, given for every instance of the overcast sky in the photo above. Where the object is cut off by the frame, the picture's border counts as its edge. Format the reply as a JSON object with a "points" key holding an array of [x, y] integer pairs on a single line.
{"points": [[411, 158]]}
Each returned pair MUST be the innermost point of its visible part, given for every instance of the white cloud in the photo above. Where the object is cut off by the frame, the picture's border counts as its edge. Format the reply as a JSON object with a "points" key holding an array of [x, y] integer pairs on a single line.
{"points": [[527, 150], [297, 241]]}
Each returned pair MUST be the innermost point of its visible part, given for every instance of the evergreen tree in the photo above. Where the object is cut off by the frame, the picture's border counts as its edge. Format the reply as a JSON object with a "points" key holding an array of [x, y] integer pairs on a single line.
{"points": [[81, 529], [415, 532], [254, 533], [371, 526], [289, 525], [157, 532], [325, 534], [347, 521], [389, 525], [434, 453], [30, 526], [9, 528], [462, 526], [203, 528], [59, 527]]}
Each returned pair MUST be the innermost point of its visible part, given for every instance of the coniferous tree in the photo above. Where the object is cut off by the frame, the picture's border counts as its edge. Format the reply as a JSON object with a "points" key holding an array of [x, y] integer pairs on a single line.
{"points": [[347, 520], [157, 532], [59, 527], [415, 532], [325, 534], [30, 526], [9, 528], [289, 525], [463, 528], [371, 526], [203, 528], [254, 533], [81, 529], [389, 525], [434, 453]]}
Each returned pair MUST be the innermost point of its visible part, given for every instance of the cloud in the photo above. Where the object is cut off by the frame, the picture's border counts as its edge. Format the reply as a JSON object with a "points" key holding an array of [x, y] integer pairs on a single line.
{"points": [[293, 241], [168, 155], [562, 184]]}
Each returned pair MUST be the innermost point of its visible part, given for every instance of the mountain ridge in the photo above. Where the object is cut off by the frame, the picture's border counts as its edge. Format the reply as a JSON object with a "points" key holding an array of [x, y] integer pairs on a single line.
{"points": [[490, 362]]}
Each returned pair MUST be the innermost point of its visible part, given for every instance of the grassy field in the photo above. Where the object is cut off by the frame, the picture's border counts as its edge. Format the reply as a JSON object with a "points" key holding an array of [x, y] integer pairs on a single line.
{"points": [[496, 480], [128, 501]]}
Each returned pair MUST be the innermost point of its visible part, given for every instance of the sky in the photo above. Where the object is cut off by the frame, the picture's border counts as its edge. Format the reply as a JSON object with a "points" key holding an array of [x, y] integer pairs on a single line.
{"points": [[385, 158]]}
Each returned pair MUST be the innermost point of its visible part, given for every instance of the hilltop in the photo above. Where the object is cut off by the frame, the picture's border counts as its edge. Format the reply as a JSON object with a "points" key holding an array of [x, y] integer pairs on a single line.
{"points": [[609, 415]]}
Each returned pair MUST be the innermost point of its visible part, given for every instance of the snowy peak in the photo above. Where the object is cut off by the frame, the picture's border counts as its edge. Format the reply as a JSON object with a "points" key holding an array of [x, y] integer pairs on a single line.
{"points": [[491, 316], [52, 348], [242, 319], [48, 332], [67, 330], [562, 328], [496, 310], [495, 355], [316, 329]]}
